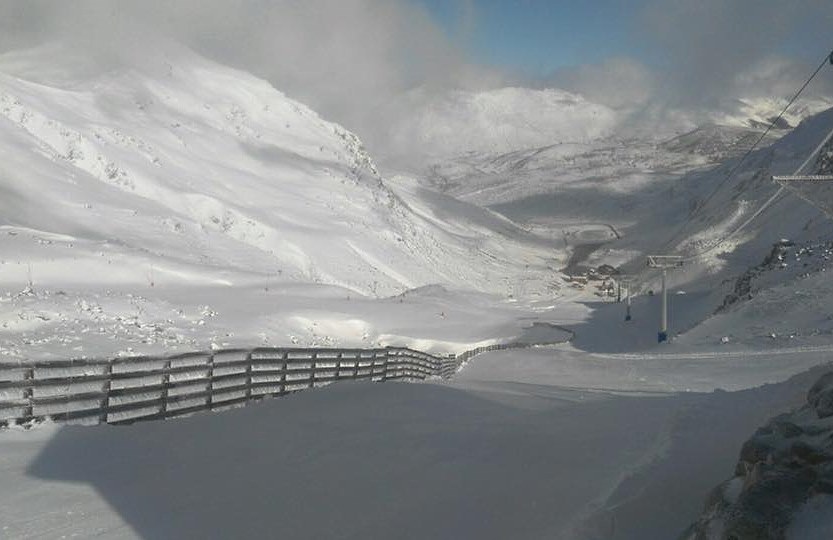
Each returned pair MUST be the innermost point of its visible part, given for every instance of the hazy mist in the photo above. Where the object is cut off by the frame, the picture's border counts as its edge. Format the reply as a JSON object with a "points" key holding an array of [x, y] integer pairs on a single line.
{"points": [[359, 62]]}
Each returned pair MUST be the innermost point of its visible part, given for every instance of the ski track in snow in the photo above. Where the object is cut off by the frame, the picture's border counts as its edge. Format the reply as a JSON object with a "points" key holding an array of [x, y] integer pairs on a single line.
{"points": [[712, 355]]}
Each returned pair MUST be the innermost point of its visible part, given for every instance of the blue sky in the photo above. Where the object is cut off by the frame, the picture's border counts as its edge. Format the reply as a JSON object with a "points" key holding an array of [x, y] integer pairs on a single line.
{"points": [[350, 58], [536, 37]]}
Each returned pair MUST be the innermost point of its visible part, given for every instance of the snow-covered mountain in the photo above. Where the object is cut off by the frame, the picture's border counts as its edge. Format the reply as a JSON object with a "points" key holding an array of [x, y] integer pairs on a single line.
{"points": [[432, 127], [164, 201], [612, 201], [759, 112], [168, 203], [176, 168], [171, 169], [449, 124]]}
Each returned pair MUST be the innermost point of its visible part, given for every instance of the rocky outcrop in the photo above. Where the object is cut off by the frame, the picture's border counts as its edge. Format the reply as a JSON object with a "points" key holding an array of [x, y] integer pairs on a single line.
{"points": [[784, 466], [743, 285], [824, 163]]}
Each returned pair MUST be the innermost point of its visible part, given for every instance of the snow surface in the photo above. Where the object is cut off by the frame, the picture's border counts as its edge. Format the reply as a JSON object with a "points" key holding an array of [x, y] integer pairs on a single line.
{"points": [[531, 460], [814, 521], [164, 196]]}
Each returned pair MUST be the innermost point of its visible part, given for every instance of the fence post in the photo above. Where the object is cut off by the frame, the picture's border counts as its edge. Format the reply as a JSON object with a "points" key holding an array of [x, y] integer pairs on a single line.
{"points": [[104, 404], [29, 394], [313, 362], [249, 376], [166, 379], [209, 387], [284, 368], [338, 366], [385, 364]]}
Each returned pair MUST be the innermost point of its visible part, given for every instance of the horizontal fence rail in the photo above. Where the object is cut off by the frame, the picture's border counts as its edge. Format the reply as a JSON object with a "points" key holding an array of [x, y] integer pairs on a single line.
{"points": [[126, 390]]}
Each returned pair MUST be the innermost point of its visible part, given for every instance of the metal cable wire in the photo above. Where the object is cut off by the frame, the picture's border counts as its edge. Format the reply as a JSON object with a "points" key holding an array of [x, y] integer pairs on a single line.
{"points": [[751, 149], [733, 171], [769, 201]]}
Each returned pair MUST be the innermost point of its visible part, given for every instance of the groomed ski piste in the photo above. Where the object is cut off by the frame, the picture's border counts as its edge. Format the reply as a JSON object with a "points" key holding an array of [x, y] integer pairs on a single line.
{"points": [[179, 205]]}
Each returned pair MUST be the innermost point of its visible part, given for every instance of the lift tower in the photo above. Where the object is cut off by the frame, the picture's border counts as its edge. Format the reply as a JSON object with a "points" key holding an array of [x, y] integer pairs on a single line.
{"points": [[626, 282], [664, 263]]}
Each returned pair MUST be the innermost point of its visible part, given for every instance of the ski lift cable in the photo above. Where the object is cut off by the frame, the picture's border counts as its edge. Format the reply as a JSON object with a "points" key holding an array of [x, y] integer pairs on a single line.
{"points": [[780, 115], [734, 170], [810, 201], [774, 197], [766, 204]]}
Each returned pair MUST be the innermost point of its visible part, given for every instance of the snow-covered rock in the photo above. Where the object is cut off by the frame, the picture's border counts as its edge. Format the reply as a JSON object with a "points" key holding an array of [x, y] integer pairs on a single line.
{"points": [[785, 470]]}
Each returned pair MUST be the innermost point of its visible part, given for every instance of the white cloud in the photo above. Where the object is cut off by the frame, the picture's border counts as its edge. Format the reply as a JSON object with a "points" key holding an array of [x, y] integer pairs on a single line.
{"points": [[376, 65], [711, 46], [348, 59], [618, 82]]}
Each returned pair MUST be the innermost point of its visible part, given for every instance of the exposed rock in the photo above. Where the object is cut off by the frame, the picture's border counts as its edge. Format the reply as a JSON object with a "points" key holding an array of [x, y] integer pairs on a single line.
{"points": [[743, 286], [810, 256], [820, 396], [781, 468], [824, 161]]}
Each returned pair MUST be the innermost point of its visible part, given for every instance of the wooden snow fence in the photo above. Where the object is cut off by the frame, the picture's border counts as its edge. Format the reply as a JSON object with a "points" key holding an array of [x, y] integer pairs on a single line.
{"points": [[125, 390], [464, 357]]}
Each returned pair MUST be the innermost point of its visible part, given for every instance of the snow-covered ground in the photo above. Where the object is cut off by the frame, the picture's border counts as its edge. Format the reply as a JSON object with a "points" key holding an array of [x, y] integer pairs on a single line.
{"points": [[167, 203], [502, 452], [177, 203]]}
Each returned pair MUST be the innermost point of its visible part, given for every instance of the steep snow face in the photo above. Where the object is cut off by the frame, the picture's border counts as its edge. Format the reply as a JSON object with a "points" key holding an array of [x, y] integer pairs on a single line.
{"points": [[165, 158], [499, 121], [180, 170]]}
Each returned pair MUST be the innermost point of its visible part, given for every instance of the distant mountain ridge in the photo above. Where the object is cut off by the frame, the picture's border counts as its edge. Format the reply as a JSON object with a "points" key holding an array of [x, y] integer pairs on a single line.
{"points": [[449, 125]]}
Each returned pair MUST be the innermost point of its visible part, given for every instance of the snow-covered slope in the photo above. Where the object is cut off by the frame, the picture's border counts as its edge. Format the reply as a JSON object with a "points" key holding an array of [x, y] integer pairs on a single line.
{"points": [[496, 121], [431, 127], [687, 195], [176, 168], [166, 201], [759, 112]]}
